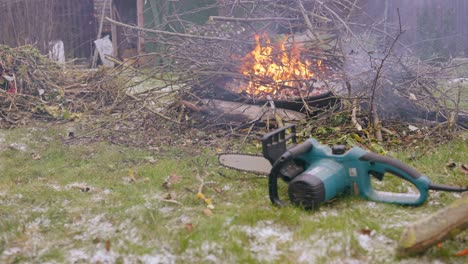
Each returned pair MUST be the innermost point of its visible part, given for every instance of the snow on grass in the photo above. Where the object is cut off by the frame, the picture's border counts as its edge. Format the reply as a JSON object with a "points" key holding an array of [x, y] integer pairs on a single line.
{"points": [[207, 252], [101, 255], [266, 240], [88, 229], [319, 246]]}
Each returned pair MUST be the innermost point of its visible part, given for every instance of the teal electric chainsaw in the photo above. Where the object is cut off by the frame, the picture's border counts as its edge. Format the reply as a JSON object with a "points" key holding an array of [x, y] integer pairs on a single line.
{"points": [[317, 173]]}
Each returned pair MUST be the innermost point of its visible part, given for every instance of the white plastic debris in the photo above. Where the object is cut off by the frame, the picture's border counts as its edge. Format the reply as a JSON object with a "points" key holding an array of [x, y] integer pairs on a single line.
{"points": [[413, 128], [104, 47], [57, 51]]}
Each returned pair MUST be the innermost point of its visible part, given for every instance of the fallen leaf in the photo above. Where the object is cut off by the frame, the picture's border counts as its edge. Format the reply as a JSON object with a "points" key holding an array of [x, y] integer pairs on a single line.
{"points": [[200, 196], [365, 231], [170, 180], [174, 178], [451, 165], [36, 156], [464, 168], [189, 227], [108, 245], [208, 212], [462, 253], [131, 175]]}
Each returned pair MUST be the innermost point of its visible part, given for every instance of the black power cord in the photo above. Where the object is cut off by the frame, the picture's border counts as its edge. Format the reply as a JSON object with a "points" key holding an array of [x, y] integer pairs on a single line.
{"points": [[446, 188]]}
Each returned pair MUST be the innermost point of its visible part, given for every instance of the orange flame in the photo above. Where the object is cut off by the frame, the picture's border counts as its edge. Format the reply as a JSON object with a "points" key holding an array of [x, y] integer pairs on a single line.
{"points": [[271, 68]]}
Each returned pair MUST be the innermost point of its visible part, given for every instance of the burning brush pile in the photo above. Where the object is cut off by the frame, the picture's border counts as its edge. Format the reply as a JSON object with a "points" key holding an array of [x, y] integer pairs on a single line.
{"points": [[275, 71]]}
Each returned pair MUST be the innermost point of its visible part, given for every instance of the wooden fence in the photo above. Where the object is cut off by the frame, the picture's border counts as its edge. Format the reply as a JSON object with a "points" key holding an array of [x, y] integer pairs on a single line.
{"points": [[40, 21]]}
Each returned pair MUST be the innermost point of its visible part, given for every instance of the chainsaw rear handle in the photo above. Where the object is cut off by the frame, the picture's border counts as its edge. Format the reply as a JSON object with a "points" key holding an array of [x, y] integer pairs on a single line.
{"points": [[379, 165], [289, 155]]}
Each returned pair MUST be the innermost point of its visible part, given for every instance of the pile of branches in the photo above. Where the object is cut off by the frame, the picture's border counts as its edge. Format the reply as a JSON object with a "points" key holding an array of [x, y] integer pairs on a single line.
{"points": [[49, 90]]}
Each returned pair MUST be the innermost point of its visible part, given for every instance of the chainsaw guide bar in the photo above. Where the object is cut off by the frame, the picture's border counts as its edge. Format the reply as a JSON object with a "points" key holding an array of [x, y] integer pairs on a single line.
{"points": [[245, 162]]}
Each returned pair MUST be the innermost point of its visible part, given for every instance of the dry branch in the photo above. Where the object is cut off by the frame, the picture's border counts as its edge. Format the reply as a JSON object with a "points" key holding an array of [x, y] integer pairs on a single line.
{"points": [[258, 19], [436, 228], [175, 34]]}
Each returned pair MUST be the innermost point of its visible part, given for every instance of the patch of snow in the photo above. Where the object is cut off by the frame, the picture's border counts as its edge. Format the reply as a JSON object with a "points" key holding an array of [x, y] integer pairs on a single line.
{"points": [[156, 257], [38, 209], [458, 80], [318, 246], [379, 245], [89, 229], [329, 212], [322, 246], [152, 201], [65, 203], [11, 251], [226, 187], [208, 251], [166, 209], [38, 223], [56, 187], [18, 146], [77, 255], [128, 230], [266, 239], [103, 256], [100, 196], [371, 204]]}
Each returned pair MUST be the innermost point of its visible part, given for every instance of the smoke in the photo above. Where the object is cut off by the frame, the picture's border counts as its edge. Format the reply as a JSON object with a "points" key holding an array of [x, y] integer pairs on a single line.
{"points": [[396, 53], [434, 29]]}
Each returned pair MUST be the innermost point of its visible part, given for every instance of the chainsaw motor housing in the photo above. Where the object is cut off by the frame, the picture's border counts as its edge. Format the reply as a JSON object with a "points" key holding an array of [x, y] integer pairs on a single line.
{"points": [[308, 190]]}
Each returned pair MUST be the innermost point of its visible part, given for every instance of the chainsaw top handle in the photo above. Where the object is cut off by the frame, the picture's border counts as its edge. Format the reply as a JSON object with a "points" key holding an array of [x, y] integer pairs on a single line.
{"points": [[289, 155]]}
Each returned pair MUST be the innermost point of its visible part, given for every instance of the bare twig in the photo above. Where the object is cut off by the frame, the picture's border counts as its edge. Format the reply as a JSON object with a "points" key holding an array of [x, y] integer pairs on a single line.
{"points": [[248, 19], [183, 35], [373, 110], [155, 112]]}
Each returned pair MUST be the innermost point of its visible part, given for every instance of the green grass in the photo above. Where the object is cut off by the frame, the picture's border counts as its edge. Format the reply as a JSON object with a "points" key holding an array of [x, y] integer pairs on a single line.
{"points": [[46, 217]]}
